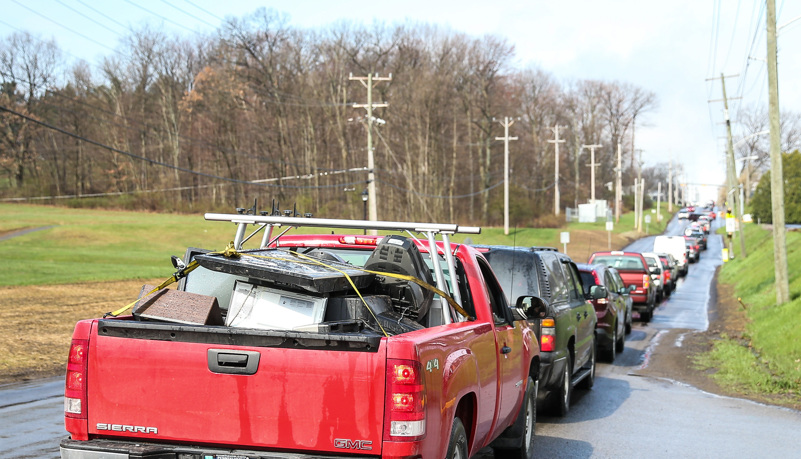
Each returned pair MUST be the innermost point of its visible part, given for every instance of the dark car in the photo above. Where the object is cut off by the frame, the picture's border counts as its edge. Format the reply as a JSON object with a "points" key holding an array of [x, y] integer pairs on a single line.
{"points": [[614, 315], [566, 330]]}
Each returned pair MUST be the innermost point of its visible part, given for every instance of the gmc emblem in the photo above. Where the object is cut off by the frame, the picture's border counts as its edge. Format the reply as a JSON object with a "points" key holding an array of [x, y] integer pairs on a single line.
{"points": [[344, 443]]}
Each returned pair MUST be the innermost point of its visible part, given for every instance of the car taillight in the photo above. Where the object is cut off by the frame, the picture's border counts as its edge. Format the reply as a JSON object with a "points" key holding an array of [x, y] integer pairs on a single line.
{"points": [[548, 335], [75, 389], [405, 416]]}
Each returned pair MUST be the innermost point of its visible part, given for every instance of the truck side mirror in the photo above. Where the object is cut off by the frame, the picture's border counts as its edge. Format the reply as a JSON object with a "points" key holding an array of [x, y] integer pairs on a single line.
{"points": [[598, 291], [632, 288], [533, 306]]}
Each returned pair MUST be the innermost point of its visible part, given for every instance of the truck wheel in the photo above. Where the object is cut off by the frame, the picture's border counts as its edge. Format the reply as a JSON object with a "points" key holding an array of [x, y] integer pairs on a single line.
{"points": [[522, 431], [565, 390], [457, 447], [609, 353], [645, 316]]}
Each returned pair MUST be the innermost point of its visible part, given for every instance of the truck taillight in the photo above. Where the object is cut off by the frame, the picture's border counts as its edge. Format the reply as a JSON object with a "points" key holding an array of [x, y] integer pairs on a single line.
{"points": [[75, 390], [646, 281], [405, 416], [360, 240], [548, 335]]}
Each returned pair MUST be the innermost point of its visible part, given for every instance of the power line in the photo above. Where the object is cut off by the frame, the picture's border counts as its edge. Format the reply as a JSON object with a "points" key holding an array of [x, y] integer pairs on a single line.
{"points": [[87, 17], [189, 14], [104, 15], [178, 24], [65, 27], [163, 164], [204, 10]]}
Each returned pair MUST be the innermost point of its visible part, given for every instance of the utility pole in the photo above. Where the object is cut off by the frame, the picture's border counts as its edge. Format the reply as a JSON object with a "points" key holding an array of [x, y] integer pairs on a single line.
{"points": [[642, 206], [658, 201], [636, 201], [641, 201], [777, 174], [556, 143], [506, 123], [731, 168], [368, 81], [670, 187], [618, 185], [592, 165]]}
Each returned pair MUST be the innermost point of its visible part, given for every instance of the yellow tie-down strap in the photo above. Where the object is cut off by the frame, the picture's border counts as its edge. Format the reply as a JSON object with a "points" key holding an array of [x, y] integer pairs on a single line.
{"points": [[229, 252]]}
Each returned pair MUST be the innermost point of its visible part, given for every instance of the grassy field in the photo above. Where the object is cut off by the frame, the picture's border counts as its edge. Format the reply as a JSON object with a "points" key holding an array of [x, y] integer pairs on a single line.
{"points": [[83, 245], [766, 357]]}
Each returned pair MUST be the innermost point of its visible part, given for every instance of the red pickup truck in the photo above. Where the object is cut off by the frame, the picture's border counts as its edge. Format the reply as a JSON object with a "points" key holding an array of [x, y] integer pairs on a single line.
{"points": [[325, 345], [636, 276]]}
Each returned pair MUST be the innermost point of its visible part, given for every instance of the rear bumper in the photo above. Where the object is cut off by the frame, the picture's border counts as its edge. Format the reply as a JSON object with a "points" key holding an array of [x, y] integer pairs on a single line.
{"points": [[551, 370], [639, 298], [118, 449]]}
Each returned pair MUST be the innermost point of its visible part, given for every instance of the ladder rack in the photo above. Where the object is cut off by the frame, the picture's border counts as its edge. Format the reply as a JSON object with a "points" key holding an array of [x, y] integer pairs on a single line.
{"points": [[431, 230]]}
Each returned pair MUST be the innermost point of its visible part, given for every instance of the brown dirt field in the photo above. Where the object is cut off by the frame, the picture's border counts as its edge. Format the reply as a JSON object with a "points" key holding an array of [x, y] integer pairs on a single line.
{"points": [[42, 319]]}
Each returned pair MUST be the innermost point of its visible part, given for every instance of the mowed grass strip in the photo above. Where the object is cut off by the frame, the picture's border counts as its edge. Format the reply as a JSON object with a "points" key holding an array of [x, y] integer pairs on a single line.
{"points": [[766, 359], [98, 245]]}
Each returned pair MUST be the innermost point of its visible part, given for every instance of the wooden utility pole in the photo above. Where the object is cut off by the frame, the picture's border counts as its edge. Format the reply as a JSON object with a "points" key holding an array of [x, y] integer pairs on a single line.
{"points": [[777, 174], [731, 169], [506, 123], [556, 143], [592, 165], [618, 185], [368, 81], [670, 187]]}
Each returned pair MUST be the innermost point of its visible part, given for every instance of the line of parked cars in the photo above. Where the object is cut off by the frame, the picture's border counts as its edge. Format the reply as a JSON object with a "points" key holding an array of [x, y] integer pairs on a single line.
{"points": [[588, 307]]}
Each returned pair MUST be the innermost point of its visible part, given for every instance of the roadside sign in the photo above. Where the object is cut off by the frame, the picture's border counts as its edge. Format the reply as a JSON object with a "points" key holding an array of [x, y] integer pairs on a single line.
{"points": [[731, 224], [610, 226], [647, 219], [564, 238]]}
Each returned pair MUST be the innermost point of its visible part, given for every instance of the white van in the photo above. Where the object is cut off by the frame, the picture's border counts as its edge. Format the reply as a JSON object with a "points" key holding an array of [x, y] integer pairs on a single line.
{"points": [[675, 246]]}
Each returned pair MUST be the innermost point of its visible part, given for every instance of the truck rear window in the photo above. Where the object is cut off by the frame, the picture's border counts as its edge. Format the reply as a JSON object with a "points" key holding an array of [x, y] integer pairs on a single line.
{"points": [[621, 262]]}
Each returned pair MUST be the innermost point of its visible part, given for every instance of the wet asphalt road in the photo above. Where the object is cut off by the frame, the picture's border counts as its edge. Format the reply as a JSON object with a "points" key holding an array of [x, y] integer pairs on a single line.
{"points": [[624, 415]]}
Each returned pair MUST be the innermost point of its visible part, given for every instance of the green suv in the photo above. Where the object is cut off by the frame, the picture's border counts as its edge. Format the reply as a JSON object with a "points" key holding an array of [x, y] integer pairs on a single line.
{"points": [[564, 320]]}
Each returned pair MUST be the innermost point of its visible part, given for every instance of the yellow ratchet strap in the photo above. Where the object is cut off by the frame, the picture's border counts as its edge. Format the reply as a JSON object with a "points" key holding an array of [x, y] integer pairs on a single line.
{"points": [[180, 274]]}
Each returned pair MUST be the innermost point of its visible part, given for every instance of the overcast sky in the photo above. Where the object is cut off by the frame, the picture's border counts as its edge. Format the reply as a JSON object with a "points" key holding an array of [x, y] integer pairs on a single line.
{"points": [[667, 47]]}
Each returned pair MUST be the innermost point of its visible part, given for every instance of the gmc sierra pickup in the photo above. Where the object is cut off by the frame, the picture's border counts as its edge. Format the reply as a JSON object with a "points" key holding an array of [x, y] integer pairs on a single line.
{"points": [[311, 345]]}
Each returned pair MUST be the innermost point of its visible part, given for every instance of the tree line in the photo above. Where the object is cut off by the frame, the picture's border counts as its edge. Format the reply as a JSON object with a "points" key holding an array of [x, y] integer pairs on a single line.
{"points": [[261, 109]]}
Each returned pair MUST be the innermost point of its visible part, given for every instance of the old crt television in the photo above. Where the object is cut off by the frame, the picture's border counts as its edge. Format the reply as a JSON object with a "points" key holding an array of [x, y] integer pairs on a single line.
{"points": [[260, 307]]}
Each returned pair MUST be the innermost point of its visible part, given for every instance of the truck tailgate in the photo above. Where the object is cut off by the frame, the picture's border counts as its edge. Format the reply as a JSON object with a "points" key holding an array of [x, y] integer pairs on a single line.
{"points": [[303, 395]]}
